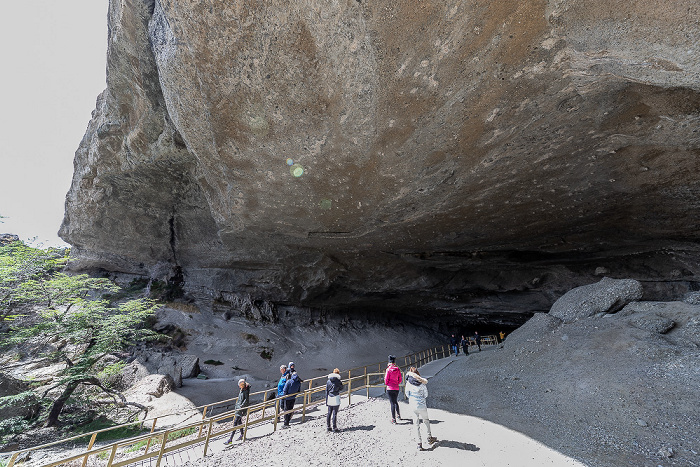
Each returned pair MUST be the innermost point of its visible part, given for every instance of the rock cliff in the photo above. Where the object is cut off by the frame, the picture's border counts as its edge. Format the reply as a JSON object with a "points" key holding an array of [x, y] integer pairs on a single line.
{"points": [[474, 158]]}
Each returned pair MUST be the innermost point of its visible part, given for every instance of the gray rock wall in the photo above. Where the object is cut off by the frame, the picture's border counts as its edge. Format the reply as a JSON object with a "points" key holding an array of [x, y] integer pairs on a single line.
{"points": [[411, 155]]}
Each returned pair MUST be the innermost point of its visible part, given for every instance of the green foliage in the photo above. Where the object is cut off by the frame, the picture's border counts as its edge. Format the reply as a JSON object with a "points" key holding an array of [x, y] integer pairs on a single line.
{"points": [[99, 423], [13, 426], [69, 324], [21, 269]]}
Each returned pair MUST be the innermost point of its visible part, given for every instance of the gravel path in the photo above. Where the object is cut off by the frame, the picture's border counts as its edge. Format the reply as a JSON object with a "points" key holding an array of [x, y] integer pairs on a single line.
{"points": [[369, 439]]}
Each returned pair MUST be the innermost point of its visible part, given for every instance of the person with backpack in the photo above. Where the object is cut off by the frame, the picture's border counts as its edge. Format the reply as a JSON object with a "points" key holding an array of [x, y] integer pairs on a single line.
{"points": [[241, 403], [417, 393], [392, 380], [477, 338], [333, 388], [291, 388]]}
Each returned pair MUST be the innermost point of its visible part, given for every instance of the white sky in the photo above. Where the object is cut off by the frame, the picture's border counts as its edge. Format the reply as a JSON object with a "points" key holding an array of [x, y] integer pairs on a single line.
{"points": [[52, 67]]}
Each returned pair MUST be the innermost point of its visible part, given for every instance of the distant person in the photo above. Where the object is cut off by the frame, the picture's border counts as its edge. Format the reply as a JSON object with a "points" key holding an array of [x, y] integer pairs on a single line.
{"points": [[417, 393], [393, 379], [465, 345], [502, 335], [291, 387], [333, 388], [453, 345], [477, 338], [241, 403], [291, 368]]}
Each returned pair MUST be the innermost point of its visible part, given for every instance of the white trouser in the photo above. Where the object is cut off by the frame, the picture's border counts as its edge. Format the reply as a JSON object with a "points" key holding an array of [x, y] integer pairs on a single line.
{"points": [[421, 414]]}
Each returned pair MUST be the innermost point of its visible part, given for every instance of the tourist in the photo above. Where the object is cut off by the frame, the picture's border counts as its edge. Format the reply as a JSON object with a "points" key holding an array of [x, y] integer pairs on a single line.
{"points": [[477, 338], [333, 388], [392, 380], [241, 403], [417, 392], [291, 388], [453, 345], [465, 345]]}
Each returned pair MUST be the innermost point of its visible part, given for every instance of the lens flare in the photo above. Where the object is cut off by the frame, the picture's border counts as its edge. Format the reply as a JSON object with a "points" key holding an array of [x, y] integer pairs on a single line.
{"points": [[290, 161], [296, 170]]}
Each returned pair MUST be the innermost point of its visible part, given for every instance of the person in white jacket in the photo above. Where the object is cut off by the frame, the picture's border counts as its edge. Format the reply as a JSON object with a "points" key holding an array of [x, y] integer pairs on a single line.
{"points": [[417, 392]]}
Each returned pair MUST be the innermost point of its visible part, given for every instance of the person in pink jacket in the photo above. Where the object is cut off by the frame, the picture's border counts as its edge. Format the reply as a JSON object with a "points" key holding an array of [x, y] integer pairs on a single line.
{"points": [[392, 379]]}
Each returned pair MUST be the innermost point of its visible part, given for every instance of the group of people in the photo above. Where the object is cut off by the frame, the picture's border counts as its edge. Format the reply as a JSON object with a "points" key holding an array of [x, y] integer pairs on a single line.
{"points": [[289, 385], [456, 343], [416, 391]]}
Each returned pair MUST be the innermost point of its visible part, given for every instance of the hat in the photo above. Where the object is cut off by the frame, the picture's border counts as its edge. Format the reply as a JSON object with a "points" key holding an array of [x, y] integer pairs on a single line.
{"points": [[291, 364], [242, 380], [392, 359]]}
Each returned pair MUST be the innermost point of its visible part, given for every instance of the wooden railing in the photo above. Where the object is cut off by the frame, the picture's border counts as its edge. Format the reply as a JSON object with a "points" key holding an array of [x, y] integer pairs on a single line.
{"points": [[166, 441]]}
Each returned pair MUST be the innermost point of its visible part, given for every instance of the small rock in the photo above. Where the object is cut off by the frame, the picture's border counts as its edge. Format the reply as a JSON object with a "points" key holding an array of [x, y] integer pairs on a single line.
{"points": [[666, 452], [641, 422], [601, 271]]}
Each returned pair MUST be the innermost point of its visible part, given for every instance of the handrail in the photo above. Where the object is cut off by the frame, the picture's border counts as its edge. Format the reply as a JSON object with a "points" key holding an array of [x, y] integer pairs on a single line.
{"points": [[415, 359]]}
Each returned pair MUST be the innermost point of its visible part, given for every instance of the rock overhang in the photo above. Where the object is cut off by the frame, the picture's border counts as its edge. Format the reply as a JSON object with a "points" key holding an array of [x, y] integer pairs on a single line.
{"points": [[326, 153]]}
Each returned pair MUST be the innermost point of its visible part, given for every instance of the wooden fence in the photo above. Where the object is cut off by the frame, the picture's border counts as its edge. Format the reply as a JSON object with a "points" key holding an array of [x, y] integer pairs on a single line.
{"points": [[158, 443]]}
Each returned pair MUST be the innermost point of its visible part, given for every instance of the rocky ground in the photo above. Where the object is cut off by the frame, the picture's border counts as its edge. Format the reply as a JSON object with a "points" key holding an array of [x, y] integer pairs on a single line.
{"points": [[609, 390]]}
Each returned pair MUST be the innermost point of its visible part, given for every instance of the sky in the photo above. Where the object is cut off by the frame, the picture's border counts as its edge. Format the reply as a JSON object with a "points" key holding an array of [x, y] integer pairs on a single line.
{"points": [[53, 58]]}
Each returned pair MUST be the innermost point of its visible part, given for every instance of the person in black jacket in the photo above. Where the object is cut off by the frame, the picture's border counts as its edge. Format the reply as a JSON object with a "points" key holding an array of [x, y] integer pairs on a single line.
{"points": [[465, 345], [291, 387], [333, 388], [241, 403]]}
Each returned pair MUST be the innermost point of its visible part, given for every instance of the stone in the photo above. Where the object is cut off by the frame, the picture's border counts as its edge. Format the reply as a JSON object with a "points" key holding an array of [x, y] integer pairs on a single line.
{"points": [[692, 298], [154, 385], [657, 324], [377, 155], [189, 365], [608, 296]]}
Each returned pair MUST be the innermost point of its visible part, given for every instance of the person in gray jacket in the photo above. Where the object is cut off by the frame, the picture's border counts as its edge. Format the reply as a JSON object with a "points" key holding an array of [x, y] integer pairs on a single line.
{"points": [[241, 403], [417, 392], [333, 388]]}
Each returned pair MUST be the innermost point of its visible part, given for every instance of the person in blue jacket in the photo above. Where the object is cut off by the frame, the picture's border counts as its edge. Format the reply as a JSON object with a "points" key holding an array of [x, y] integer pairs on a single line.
{"points": [[291, 387]]}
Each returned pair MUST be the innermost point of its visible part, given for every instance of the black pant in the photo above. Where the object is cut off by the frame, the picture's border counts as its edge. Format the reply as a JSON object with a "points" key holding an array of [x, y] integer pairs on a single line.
{"points": [[332, 414], [394, 401], [465, 348], [237, 421], [288, 405]]}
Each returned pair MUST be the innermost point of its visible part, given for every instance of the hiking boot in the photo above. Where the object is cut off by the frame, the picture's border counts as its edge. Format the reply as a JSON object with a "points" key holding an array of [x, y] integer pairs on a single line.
{"points": [[420, 447], [393, 420], [240, 437], [330, 429], [227, 443], [432, 439], [336, 430]]}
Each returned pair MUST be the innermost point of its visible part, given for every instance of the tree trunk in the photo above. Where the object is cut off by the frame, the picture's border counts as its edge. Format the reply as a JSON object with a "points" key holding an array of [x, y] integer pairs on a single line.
{"points": [[59, 403]]}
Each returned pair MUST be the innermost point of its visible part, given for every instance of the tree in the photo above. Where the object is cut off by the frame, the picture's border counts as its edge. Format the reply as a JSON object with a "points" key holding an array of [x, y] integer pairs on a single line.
{"points": [[71, 323]]}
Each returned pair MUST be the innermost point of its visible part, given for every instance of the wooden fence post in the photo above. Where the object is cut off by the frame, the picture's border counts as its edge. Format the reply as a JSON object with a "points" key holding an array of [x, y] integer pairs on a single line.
{"points": [[245, 426], [114, 453], [277, 412], [153, 427], [90, 444], [206, 443], [162, 448], [204, 415], [303, 410]]}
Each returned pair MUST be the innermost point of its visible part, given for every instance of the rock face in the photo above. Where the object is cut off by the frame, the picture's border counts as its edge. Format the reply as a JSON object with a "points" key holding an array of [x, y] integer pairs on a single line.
{"points": [[459, 156], [606, 296]]}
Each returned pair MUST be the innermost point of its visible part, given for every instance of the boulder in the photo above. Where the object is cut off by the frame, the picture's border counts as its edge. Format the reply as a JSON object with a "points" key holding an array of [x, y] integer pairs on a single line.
{"points": [[154, 385], [606, 296]]}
